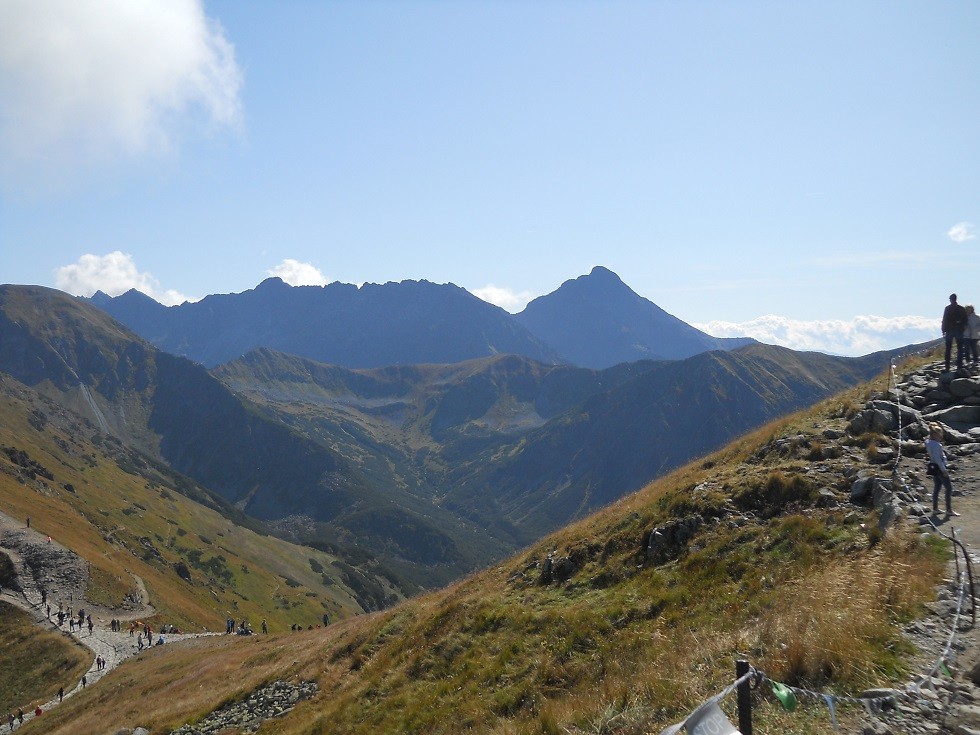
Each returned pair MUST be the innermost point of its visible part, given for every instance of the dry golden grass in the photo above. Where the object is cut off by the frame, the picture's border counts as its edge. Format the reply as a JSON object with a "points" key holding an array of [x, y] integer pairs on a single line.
{"points": [[34, 661], [618, 647]]}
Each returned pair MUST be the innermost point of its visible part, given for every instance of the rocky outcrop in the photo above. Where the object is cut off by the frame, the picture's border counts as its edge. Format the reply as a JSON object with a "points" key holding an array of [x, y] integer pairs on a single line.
{"points": [[952, 399], [272, 700]]}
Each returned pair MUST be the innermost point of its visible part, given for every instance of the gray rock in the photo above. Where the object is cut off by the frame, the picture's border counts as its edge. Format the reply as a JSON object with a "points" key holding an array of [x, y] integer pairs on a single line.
{"points": [[963, 387], [958, 415], [861, 489]]}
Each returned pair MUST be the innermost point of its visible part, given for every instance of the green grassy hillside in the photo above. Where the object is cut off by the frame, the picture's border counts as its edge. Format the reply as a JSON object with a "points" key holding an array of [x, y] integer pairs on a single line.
{"points": [[128, 515], [592, 629]]}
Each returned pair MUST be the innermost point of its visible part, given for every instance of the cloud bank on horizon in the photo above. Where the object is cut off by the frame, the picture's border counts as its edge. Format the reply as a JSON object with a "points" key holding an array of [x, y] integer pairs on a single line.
{"points": [[117, 273], [858, 336], [85, 83]]}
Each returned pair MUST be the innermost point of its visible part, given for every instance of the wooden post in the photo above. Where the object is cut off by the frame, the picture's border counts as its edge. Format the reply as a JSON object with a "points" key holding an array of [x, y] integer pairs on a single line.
{"points": [[744, 697]]}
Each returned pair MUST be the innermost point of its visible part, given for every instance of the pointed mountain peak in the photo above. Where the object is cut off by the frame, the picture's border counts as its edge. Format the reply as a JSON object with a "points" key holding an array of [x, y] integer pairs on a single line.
{"points": [[272, 282], [135, 296], [600, 283]]}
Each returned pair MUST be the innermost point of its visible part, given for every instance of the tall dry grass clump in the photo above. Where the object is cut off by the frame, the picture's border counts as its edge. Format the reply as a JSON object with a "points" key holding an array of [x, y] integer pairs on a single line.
{"points": [[835, 620]]}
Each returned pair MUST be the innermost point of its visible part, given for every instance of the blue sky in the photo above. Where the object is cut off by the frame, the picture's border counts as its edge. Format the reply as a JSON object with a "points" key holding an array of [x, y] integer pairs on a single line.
{"points": [[806, 172]]}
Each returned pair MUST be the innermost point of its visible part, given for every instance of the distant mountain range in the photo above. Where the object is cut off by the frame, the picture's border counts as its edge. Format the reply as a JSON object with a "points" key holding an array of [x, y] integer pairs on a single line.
{"points": [[434, 469], [594, 321]]}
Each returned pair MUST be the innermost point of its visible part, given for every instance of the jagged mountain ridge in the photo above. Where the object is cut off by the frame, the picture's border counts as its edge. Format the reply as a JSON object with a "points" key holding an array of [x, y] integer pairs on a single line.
{"points": [[593, 321], [404, 323]]}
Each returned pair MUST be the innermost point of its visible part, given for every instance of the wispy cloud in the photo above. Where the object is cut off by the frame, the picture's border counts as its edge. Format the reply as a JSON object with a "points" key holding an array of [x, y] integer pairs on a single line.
{"points": [[505, 298], [87, 82], [858, 336], [112, 274], [296, 273], [961, 232]]}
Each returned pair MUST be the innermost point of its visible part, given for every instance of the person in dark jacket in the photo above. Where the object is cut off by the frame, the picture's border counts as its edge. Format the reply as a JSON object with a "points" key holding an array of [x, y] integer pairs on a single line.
{"points": [[954, 323]]}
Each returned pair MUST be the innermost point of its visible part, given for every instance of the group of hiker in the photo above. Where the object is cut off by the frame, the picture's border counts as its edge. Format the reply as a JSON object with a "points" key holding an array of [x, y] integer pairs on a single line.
{"points": [[244, 628], [961, 324]]}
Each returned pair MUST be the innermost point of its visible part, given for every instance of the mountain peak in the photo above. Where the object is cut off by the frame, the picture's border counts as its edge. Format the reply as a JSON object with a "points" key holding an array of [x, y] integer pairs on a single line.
{"points": [[272, 282], [602, 273]]}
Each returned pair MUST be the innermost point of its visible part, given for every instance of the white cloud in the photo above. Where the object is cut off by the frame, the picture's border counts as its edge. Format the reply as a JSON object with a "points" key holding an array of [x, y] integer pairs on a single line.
{"points": [[961, 232], [85, 82], [296, 273], [113, 274], [505, 298], [858, 336]]}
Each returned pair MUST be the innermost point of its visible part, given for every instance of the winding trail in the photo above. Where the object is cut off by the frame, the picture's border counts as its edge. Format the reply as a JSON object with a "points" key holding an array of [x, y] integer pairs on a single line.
{"points": [[43, 563]]}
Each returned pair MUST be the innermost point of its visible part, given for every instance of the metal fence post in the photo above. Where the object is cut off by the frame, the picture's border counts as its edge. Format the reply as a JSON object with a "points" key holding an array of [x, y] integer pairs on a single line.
{"points": [[744, 697]]}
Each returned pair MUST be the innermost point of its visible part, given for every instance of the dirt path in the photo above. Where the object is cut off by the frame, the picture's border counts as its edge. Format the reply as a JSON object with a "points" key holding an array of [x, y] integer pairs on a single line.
{"points": [[46, 568]]}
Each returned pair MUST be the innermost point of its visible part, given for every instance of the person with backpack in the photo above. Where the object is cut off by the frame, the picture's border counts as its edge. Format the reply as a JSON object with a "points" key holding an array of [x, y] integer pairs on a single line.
{"points": [[953, 326]]}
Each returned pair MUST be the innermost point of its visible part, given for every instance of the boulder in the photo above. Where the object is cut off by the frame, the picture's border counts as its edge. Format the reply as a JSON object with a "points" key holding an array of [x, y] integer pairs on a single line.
{"points": [[969, 415], [963, 387], [908, 414], [861, 489]]}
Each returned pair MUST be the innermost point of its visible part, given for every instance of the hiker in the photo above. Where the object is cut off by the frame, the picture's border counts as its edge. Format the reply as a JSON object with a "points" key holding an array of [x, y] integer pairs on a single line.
{"points": [[10, 721], [939, 470], [90, 626], [84, 681], [972, 334], [38, 711], [61, 694], [954, 322], [139, 642], [20, 712], [265, 628]]}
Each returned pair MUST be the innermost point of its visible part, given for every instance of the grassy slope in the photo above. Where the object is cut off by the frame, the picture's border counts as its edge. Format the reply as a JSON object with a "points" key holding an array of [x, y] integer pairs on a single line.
{"points": [[125, 524], [35, 661], [808, 594]]}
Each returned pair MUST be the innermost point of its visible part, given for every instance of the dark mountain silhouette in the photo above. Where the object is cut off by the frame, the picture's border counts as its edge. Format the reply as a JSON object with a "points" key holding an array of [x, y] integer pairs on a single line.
{"points": [[597, 321], [406, 323], [171, 408], [593, 321]]}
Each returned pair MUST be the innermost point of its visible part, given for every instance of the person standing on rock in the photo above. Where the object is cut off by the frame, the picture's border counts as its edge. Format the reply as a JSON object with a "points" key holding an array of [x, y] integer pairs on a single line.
{"points": [[937, 457], [954, 322], [972, 334]]}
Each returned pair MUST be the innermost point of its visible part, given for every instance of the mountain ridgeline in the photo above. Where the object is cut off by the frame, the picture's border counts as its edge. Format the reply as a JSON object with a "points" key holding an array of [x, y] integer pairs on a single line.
{"points": [[594, 321], [432, 469]]}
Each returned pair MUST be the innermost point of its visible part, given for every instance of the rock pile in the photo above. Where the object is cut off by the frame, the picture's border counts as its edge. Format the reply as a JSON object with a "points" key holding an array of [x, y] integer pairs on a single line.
{"points": [[272, 700], [926, 396]]}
